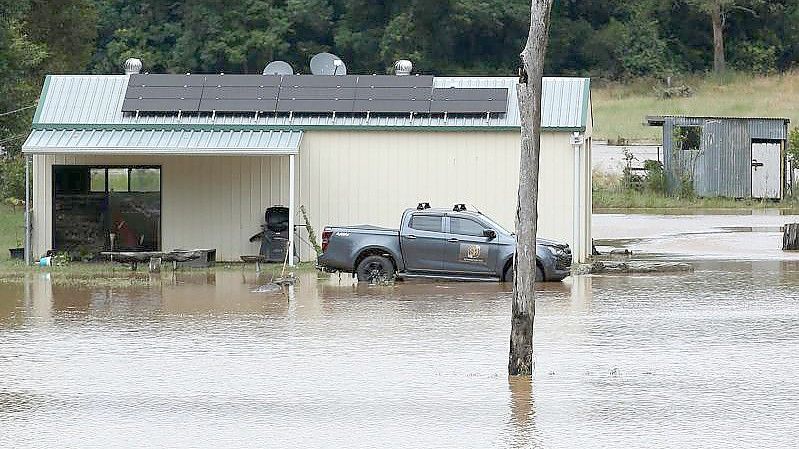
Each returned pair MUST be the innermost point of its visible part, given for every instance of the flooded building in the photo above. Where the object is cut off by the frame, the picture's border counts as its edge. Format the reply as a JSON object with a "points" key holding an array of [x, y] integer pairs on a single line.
{"points": [[734, 157], [192, 161]]}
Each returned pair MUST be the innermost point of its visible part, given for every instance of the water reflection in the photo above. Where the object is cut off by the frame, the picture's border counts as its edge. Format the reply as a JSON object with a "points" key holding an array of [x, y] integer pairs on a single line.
{"points": [[690, 360]]}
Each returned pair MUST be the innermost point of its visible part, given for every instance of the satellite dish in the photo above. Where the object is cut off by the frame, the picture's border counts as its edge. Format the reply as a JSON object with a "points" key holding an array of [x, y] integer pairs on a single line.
{"points": [[278, 68], [327, 64]]}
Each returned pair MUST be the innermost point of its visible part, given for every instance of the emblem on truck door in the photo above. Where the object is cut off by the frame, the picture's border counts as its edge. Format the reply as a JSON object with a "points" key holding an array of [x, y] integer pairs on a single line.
{"points": [[472, 253]]}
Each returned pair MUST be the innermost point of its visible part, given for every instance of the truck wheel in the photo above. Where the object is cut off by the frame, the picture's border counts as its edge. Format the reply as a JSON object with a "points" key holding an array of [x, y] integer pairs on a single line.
{"points": [[508, 277], [374, 269]]}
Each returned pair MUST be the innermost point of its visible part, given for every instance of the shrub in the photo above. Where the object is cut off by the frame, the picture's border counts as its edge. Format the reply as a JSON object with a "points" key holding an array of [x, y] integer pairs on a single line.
{"points": [[655, 177], [12, 178]]}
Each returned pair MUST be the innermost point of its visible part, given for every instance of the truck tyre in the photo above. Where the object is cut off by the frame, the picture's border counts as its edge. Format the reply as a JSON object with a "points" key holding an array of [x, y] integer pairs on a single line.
{"points": [[374, 269], [508, 277]]}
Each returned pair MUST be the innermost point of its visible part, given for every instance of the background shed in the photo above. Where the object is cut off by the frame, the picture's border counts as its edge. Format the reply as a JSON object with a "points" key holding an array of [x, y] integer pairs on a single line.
{"points": [[735, 157]]}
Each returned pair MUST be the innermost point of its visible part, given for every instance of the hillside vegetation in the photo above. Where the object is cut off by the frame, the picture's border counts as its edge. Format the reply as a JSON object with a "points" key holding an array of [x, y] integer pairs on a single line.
{"points": [[620, 109]]}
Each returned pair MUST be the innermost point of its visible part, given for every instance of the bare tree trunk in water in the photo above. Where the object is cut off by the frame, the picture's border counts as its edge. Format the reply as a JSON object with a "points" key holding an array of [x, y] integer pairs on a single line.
{"points": [[520, 361], [717, 17]]}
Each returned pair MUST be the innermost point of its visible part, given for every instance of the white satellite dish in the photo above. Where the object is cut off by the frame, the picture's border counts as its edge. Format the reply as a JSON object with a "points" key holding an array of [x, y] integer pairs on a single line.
{"points": [[327, 64], [278, 68]]}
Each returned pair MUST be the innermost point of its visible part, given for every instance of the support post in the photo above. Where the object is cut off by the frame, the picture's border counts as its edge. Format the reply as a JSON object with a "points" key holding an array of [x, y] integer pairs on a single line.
{"points": [[577, 215], [27, 211], [292, 210]]}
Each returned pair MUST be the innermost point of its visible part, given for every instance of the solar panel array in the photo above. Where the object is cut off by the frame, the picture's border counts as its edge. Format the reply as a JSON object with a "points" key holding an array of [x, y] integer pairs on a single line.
{"points": [[312, 94]]}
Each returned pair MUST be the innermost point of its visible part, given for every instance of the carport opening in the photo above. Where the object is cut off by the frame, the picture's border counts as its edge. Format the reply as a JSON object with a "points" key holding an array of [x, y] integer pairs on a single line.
{"points": [[100, 208]]}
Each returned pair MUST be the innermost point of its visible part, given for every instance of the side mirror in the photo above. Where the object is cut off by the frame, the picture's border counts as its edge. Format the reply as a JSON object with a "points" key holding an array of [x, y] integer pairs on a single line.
{"points": [[490, 234]]}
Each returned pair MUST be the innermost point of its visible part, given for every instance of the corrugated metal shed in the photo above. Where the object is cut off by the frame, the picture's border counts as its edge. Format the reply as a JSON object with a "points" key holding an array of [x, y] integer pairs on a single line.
{"points": [[94, 101], [168, 142], [723, 163]]}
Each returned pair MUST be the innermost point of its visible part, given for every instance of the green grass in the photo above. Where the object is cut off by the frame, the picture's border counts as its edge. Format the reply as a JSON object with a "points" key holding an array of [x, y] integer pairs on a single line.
{"points": [[12, 229], [605, 198], [620, 109]]}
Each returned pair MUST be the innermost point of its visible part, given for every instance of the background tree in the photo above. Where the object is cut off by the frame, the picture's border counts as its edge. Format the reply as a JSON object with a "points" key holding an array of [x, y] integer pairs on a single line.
{"points": [[717, 11]]}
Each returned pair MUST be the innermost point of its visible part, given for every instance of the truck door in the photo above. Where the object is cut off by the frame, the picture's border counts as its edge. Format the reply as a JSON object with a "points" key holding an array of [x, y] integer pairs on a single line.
{"points": [[423, 241], [468, 250]]}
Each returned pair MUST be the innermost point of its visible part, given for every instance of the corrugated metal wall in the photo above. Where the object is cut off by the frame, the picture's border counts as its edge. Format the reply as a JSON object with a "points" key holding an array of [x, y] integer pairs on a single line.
{"points": [[343, 178], [358, 177], [723, 164], [207, 201]]}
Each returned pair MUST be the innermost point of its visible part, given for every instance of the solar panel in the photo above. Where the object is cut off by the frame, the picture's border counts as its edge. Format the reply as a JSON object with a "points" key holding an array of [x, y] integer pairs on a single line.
{"points": [[467, 107], [160, 105], [237, 105], [395, 81], [159, 80], [315, 106], [385, 94], [392, 106], [243, 80], [164, 92], [240, 93], [317, 93], [393, 93], [319, 81], [470, 94]]}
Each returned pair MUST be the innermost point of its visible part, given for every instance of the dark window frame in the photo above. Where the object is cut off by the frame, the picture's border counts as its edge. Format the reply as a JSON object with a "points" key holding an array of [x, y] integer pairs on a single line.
{"points": [[107, 191]]}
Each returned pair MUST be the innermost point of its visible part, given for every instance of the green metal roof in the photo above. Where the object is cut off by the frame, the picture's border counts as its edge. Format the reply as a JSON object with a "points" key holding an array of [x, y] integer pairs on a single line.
{"points": [[167, 142], [95, 102]]}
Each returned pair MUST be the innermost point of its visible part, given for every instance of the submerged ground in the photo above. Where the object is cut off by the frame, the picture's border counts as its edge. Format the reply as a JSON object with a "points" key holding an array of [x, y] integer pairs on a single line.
{"points": [[705, 359]]}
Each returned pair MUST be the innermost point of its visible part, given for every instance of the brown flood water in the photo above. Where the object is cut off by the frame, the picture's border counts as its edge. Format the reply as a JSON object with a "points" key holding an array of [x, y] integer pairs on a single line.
{"points": [[706, 359]]}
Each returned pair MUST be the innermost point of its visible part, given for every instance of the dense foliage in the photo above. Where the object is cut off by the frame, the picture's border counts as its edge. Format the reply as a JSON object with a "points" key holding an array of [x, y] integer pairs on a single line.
{"points": [[602, 38]]}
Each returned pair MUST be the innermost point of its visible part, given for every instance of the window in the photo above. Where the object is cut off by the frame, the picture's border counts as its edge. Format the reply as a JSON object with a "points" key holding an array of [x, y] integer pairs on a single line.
{"points": [[145, 180], [688, 138], [118, 179], [430, 223], [464, 226], [97, 176], [92, 202]]}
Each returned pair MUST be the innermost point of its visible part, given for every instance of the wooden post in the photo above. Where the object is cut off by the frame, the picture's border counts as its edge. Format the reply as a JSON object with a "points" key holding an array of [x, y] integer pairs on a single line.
{"points": [[520, 360], [155, 264], [790, 240]]}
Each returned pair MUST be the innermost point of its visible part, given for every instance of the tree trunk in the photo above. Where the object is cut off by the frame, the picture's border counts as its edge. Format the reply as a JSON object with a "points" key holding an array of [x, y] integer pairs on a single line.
{"points": [[520, 361], [790, 239], [717, 17]]}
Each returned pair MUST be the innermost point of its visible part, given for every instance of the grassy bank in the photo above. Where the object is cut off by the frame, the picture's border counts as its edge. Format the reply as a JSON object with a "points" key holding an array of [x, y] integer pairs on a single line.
{"points": [[620, 109], [12, 229], [616, 199]]}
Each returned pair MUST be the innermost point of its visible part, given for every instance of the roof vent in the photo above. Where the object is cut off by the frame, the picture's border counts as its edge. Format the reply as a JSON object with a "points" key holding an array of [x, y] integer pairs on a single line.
{"points": [[403, 67], [132, 66]]}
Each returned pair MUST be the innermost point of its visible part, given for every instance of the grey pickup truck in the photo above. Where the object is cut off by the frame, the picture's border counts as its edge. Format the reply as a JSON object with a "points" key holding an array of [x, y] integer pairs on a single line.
{"points": [[439, 243]]}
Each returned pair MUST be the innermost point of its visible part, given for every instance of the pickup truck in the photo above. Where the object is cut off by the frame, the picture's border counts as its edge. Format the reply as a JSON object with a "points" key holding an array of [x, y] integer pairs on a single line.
{"points": [[437, 243]]}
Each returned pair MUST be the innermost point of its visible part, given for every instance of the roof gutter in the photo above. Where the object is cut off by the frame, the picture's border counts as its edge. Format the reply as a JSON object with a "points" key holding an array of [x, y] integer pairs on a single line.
{"points": [[210, 127]]}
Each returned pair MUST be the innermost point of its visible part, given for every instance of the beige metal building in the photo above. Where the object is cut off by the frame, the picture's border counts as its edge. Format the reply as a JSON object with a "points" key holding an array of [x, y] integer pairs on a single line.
{"points": [[169, 181]]}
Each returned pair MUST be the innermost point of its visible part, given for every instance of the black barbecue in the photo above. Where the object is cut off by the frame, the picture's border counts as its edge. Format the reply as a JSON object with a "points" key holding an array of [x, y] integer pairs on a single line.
{"points": [[274, 234]]}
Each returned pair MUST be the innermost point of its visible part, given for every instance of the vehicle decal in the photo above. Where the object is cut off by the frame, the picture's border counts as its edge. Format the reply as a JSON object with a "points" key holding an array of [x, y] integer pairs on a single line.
{"points": [[473, 253]]}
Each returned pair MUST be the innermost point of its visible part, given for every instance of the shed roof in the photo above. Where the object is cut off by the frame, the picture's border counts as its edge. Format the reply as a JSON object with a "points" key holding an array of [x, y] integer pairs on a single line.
{"points": [[659, 120], [95, 102], [169, 142]]}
